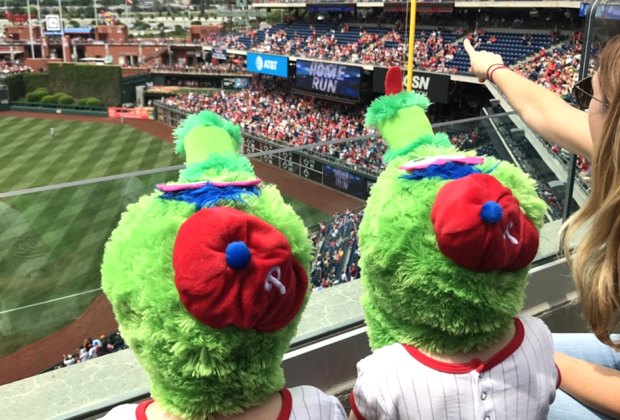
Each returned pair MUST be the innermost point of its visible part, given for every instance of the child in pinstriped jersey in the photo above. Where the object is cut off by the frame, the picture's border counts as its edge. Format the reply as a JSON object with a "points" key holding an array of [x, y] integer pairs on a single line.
{"points": [[589, 363], [446, 243], [207, 278]]}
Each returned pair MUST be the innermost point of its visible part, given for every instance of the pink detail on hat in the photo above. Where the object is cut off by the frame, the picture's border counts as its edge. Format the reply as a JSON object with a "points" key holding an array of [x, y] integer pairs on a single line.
{"points": [[508, 236], [273, 279], [196, 185], [414, 165]]}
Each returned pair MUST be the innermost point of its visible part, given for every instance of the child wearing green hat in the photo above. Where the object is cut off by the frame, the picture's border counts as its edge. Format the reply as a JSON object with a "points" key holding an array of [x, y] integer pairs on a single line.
{"points": [[445, 243], [207, 277]]}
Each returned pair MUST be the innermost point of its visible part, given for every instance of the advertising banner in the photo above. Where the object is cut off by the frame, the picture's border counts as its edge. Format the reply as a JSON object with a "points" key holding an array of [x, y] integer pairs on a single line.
{"points": [[272, 65], [219, 53], [328, 78], [343, 180], [435, 85]]}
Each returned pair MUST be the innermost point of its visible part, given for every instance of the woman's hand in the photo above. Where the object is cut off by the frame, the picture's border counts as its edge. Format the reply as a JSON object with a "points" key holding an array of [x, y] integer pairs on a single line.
{"points": [[481, 61]]}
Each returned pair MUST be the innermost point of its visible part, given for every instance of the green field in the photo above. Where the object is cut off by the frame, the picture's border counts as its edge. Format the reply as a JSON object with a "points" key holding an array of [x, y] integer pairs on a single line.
{"points": [[51, 242]]}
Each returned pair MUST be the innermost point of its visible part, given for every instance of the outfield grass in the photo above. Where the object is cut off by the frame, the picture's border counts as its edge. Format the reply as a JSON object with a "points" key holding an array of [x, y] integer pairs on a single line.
{"points": [[52, 242], [31, 157]]}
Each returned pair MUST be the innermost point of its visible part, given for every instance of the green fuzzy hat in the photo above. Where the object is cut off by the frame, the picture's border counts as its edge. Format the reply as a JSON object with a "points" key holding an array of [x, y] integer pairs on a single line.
{"points": [[422, 289], [225, 137], [399, 116], [204, 355]]}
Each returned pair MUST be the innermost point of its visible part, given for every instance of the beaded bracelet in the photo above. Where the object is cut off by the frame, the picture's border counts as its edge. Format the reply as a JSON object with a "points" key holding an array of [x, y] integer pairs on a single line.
{"points": [[494, 67]]}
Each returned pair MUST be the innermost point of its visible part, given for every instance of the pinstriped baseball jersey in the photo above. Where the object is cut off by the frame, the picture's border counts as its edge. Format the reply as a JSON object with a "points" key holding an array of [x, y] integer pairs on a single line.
{"points": [[310, 403], [298, 403], [518, 382]]}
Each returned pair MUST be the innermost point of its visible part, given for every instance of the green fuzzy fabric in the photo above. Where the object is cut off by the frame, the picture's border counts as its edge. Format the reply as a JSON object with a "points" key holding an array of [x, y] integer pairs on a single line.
{"points": [[387, 106], [439, 139], [205, 119], [196, 372], [415, 295], [218, 167]]}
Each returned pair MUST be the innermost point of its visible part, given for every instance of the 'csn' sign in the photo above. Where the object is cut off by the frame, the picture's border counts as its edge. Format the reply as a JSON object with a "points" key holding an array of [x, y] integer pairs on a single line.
{"points": [[272, 65], [435, 85]]}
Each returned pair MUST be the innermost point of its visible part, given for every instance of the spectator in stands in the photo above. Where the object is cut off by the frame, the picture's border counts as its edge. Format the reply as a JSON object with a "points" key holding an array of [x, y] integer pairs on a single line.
{"points": [[83, 355], [68, 359], [91, 349], [591, 374], [9, 67]]}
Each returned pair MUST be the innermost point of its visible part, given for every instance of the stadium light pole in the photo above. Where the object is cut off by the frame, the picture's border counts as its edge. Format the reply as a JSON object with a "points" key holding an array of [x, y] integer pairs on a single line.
{"points": [[62, 33], [39, 13], [411, 44], [95, 12], [30, 29]]}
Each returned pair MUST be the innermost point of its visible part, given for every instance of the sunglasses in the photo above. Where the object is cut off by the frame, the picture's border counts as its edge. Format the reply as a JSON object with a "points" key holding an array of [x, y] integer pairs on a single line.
{"points": [[583, 94]]}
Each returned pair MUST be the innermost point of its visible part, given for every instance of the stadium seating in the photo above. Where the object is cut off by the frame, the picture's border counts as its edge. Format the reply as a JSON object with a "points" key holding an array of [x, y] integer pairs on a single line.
{"points": [[435, 50]]}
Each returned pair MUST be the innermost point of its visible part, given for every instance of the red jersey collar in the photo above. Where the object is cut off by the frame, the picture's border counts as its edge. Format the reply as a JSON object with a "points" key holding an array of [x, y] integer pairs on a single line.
{"points": [[285, 410], [474, 364]]}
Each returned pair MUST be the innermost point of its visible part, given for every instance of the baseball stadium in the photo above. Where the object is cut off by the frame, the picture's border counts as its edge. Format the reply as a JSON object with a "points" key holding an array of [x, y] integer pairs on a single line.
{"points": [[97, 96]]}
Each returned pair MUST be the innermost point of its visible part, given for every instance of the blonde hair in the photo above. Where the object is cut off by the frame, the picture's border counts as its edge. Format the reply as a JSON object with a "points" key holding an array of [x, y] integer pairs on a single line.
{"points": [[596, 261]]}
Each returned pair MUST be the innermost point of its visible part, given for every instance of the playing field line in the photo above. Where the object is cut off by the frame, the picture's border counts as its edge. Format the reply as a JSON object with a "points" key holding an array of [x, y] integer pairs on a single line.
{"points": [[32, 305]]}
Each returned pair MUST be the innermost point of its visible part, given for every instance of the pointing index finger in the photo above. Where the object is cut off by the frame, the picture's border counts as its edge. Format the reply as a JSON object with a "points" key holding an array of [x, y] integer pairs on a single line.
{"points": [[468, 48]]}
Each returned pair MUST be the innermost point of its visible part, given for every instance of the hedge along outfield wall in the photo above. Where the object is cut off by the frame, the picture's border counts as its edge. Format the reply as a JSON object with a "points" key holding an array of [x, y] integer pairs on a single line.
{"points": [[20, 84], [84, 80]]}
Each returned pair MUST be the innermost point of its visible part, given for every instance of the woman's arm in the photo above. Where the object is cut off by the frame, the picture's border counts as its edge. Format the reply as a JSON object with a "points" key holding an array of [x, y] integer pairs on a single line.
{"points": [[591, 384], [544, 111]]}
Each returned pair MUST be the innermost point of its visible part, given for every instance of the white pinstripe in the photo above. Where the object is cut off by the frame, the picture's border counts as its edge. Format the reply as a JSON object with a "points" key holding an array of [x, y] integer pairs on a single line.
{"points": [[310, 403], [522, 385]]}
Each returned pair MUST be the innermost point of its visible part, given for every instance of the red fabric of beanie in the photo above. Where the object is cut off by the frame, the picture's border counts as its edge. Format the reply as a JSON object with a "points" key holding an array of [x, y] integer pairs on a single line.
{"points": [[254, 284], [502, 238]]}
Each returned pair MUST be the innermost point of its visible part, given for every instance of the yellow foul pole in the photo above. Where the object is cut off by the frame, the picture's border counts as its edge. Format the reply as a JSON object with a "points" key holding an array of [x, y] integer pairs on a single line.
{"points": [[411, 44]]}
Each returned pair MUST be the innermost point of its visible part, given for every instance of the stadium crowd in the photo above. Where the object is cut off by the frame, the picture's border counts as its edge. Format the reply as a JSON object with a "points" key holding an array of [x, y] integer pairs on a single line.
{"points": [[337, 256], [293, 120], [557, 69], [297, 120], [228, 41], [432, 53], [12, 67], [93, 348]]}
